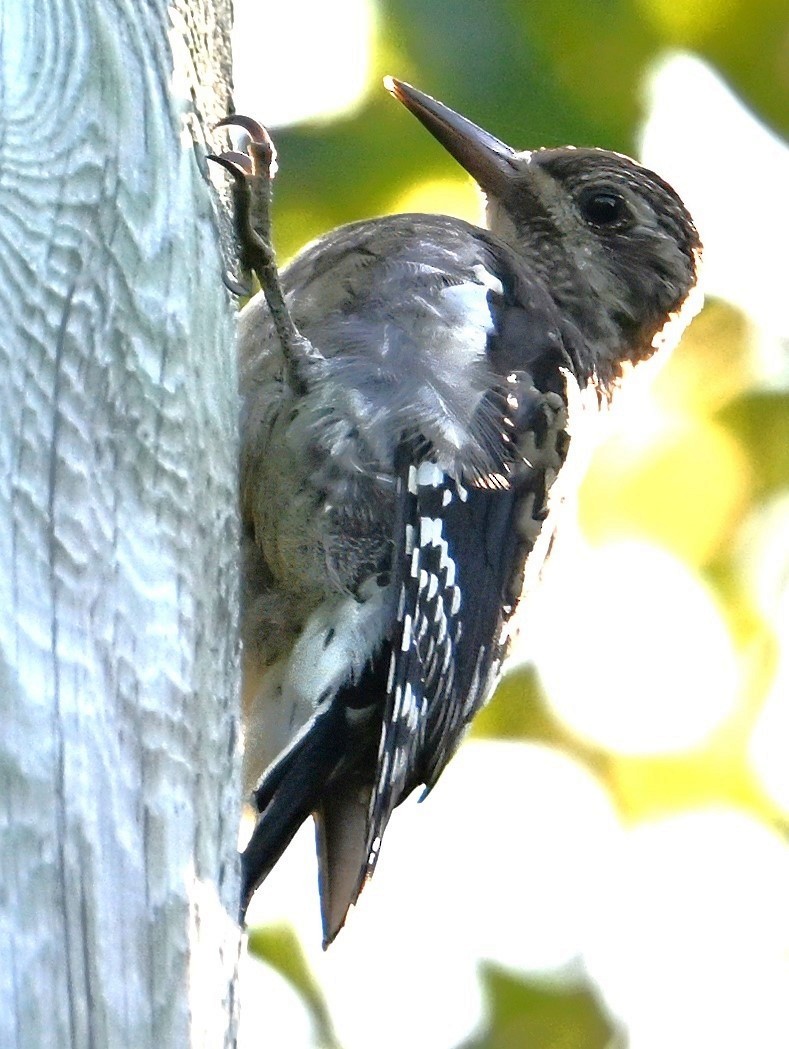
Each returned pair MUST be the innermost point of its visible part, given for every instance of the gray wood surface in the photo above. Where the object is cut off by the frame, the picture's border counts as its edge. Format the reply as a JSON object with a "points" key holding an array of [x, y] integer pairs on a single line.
{"points": [[119, 781]]}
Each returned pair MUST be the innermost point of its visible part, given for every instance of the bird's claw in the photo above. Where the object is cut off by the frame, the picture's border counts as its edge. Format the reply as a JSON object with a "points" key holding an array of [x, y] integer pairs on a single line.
{"points": [[252, 170], [261, 152], [255, 130], [238, 164]]}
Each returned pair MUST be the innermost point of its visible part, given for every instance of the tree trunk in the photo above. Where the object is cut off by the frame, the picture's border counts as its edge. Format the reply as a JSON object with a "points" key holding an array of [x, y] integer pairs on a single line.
{"points": [[119, 779]]}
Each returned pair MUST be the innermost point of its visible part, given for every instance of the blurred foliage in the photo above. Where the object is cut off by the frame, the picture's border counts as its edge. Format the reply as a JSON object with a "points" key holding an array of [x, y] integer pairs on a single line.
{"points": [[278, 945], [760, 420], [527, 1014], [687, 481], [548, 72]]}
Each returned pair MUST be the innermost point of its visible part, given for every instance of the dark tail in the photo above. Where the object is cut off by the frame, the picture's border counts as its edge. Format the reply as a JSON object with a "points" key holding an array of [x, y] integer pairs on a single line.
{"points": [[290, 791]]}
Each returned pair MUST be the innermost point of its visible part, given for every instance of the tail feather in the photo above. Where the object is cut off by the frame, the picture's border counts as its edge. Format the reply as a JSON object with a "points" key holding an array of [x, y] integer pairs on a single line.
{"points": [[341, 836], [328, 771], [289, 791]]}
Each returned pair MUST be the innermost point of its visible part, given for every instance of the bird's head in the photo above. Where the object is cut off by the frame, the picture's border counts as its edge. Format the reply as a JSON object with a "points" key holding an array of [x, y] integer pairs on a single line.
{"points": [[612, 241]]}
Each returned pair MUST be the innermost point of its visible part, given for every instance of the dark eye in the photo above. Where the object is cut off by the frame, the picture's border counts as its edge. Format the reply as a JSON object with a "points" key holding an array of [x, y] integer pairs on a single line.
{"points": [[603, 207]]}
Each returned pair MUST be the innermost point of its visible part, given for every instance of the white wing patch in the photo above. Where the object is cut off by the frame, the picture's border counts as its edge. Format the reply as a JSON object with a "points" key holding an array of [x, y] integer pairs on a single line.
{"points": [[488, 279], [338, 641], [465, 307]]}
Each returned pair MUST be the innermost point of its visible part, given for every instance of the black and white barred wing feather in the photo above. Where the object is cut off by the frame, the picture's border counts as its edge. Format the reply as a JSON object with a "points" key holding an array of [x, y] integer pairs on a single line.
{"points": [[464, 543]]}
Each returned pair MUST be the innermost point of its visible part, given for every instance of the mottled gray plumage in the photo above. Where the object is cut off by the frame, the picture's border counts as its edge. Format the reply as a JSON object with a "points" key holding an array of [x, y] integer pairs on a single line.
{"points": [[394, 508]]}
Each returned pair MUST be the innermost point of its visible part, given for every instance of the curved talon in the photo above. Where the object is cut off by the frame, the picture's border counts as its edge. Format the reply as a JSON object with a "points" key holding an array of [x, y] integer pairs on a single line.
{"points": [[255, 130], [242, 160], [238, 164], [237, 287], [238, 174], [261, 146]]}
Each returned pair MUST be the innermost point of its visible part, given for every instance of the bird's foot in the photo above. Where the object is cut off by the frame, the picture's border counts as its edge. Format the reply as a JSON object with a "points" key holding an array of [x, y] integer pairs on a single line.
{"points": [[253, 174]]}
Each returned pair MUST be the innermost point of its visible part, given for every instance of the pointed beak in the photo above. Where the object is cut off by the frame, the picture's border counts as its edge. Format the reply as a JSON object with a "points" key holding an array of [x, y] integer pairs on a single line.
{"points": [[488, 160]]}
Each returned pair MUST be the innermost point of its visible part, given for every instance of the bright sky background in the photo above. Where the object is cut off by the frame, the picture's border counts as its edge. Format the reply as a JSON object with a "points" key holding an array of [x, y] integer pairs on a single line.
{"points": [[326, 75], [571, 880], [693, 123]]}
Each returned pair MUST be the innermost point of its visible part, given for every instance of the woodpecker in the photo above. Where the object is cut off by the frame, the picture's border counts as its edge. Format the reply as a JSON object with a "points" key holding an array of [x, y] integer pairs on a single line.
{"points": [[407, 414]]}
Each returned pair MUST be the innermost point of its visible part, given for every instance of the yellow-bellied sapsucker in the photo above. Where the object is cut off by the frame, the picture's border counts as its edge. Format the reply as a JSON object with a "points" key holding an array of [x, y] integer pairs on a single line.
{"points": [[406, 412]]}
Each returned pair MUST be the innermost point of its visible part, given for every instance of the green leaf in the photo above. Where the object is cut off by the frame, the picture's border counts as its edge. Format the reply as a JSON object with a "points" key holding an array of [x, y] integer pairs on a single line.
{"points": [[517, 710], [532, 1014], [760, 421]]}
